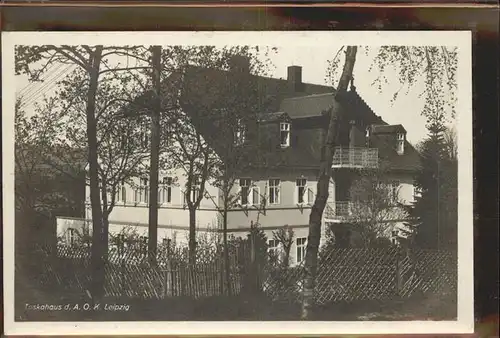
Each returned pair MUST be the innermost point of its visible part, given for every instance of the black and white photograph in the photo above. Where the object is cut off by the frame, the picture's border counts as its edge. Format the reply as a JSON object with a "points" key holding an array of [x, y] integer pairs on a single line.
{"points": [[237, 180]]}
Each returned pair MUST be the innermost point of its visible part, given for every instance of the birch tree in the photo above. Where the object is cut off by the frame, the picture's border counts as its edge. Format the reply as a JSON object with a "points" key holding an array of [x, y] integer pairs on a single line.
{"points": [[433, 66]]}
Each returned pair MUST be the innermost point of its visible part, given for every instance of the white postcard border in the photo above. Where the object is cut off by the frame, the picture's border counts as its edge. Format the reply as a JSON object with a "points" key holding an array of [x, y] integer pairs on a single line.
{"points": [[462, 39]]}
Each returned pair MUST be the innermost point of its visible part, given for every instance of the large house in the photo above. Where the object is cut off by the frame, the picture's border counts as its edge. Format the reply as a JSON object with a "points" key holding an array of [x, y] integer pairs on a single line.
{"points": [[281, 190]]}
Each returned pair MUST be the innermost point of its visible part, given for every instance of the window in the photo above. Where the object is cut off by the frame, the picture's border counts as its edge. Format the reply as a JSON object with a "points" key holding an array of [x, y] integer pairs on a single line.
{"points": [[71, 236], [245, 197], [142, 192], [240, 132], [394, 191], [144, 134], [301, 187], [285, 134], [165, 191], [417, 192], [274, 191], [301, 249], [249, 192], [394, 236], [400, 143], [195, 190], [121, 193], [272, 248]]}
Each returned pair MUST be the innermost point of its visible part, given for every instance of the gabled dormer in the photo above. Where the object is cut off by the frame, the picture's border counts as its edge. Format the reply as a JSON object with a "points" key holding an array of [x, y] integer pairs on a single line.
{"points": [[285, 134], [278, 128], [400, 142], [395, 135]]}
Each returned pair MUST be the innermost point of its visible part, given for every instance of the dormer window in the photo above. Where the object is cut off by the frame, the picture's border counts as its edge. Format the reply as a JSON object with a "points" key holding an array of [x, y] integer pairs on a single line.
{"points": [[285, 134], [400, 143], [240, 132], [144, 135]]}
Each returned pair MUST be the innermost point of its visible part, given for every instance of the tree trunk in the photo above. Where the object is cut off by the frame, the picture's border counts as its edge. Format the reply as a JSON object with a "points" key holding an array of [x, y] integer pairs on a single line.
{"points": [[226, 253], [105, 217], [192, 235], [155, 154], [98, 245], [318, 207], [105, 227]]}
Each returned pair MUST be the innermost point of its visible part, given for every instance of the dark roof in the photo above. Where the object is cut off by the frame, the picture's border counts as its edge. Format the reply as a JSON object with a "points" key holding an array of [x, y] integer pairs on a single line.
{"points": [[387, 129], [306, 106], [289, 157], [271, 91], [302, 103], [271, 117], [383, 137], [386, 145]]}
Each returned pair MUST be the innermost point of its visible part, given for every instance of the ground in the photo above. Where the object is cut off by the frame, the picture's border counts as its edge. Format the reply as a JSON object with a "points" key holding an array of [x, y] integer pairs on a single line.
{"points": [[241, 308]]}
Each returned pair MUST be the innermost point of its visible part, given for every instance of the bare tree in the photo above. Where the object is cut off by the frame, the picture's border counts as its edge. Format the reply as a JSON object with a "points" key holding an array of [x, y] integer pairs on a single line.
{"points": [[41, 192], [93, 61], [224, 111], [375, 207], [196, 158]]}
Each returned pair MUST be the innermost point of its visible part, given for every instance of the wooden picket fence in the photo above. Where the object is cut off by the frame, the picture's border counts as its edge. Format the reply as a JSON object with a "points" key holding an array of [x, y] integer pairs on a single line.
{"points": [[343, 275], [346, 275], [130, 273]]}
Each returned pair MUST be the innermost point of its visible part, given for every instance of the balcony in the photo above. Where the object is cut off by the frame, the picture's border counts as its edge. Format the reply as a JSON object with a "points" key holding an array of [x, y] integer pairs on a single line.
{"points": [[348, 211], [337, 211], [355, 158]]}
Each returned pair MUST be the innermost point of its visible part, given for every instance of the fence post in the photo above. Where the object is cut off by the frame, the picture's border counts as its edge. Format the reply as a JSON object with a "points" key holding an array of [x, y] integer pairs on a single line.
{"points": [[121, 256], [169, 281], [399, 286], [221, 276]]}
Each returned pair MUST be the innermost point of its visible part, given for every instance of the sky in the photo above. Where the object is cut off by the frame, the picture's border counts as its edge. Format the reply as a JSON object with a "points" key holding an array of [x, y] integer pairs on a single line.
{"points": [[406, 110]]}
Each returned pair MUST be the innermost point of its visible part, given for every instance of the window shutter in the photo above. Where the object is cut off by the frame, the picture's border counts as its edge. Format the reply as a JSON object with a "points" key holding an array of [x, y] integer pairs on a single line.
{"points": [[296, 194], [255, 196], [240, 195], [310, 195]]}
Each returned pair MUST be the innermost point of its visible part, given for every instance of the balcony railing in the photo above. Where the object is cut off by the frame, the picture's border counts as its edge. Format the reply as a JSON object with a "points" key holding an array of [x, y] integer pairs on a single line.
{"points": [[356, 212], [355, 158], [338, 211]]}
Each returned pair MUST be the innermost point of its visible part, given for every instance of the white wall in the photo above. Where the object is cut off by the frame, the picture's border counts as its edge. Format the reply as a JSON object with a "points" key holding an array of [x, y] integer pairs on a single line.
{"points": [[406, 189]]}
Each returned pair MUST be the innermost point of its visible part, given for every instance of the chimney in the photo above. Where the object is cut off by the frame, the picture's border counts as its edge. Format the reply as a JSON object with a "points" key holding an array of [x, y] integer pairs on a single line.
{"points": [[294, 78], [239, 63]]}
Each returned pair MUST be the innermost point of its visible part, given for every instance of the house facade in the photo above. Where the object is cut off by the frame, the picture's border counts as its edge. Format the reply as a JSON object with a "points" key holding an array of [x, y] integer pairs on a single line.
{"points": [[280, 191]]}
